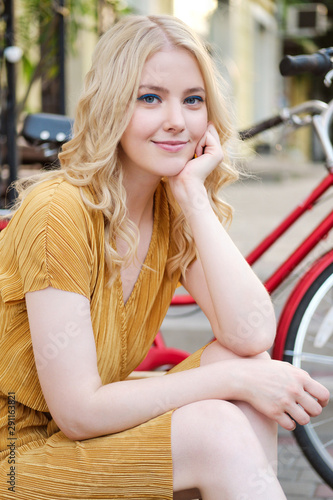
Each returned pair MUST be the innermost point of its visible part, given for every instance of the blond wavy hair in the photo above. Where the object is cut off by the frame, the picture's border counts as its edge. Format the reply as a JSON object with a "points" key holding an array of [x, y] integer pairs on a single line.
{"points": [[102, 115]]}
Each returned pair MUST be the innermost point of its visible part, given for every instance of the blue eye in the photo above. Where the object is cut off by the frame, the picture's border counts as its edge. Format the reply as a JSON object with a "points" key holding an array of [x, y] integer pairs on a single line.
{"points": [[149, 98], [193, 99]]}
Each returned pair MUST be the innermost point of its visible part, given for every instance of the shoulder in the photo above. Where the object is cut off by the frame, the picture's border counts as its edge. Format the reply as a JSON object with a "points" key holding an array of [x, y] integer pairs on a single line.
{"points": [[53, 239], [54, 212], [55, 198], [55, 191]]}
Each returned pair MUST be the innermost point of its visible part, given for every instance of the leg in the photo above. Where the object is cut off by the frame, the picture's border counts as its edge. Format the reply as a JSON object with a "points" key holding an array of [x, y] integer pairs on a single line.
{"points": [[265, 429], [215, 449]]}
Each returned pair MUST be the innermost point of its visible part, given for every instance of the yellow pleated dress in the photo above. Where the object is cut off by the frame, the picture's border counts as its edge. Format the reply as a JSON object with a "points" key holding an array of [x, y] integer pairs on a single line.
{"points": [[56, 240]]}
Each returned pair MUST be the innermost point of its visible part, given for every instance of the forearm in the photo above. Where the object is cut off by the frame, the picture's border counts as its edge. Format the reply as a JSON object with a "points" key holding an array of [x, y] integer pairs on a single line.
{"points": [[243, 309], [123, 405], [277, 390]]}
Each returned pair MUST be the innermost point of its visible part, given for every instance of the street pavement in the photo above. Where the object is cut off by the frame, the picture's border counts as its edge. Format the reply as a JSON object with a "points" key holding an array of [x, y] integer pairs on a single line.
{"points": [[259, 204]]}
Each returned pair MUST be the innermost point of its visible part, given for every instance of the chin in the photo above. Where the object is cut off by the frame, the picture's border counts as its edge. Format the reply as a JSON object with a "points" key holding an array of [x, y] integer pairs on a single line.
{"points": [[176, 168]]}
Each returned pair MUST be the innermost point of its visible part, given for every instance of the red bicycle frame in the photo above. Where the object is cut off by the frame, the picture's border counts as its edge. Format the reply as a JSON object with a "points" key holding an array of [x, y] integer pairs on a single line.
{"points": [[305, 247]]}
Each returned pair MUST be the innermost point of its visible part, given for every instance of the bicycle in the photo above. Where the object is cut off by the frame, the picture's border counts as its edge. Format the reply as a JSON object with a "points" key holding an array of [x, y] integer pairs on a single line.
{"points": [[305, 328]]}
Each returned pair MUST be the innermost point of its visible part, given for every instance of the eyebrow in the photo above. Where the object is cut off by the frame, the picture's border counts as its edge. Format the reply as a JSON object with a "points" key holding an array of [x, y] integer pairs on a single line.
{"points": [[156, 88]]}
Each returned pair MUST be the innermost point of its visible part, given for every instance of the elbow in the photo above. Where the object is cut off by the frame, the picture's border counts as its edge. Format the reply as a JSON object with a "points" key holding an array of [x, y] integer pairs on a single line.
{"points": [[82, 420], [257, 339], [76, 416], [261, 344], [244, 350], [250, 349], [74, 433], [251, 336], [74, 421], [73, 428], [79, 431], [256, 330]]}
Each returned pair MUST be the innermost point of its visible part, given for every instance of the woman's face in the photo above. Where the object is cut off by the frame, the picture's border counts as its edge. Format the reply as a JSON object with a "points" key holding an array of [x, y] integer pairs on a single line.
{"points": [[170, 115]]}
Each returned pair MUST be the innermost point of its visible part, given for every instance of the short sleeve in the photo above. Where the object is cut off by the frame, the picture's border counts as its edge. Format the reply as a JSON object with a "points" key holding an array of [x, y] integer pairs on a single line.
{"points": [[50, 242]]}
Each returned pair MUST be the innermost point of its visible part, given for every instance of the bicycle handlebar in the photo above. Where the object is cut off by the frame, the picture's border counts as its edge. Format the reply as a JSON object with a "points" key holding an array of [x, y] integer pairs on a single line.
{"points": [[317, 64], [313, 107], [260, 127]]}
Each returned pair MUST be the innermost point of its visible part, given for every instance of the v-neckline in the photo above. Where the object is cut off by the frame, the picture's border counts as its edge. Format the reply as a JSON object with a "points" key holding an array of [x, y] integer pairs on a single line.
{"points": [[151, 248]]}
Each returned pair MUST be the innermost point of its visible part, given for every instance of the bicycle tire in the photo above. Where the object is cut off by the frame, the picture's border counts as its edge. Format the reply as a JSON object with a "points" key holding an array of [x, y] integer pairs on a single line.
{"points": [[309, 345]]}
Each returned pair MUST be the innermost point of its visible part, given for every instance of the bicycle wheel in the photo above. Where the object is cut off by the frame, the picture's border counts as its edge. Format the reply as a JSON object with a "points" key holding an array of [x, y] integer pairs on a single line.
{"points": [[309, 345]]}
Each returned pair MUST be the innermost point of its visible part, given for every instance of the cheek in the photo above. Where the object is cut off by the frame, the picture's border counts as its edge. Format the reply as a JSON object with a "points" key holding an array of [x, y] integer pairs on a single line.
{"points": [[199, 125], [132, 129], [132, 135], [142, 124]]}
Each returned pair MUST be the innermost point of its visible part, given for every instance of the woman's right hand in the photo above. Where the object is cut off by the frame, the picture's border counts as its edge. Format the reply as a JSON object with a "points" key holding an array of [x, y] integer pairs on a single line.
{"points": [[281, 391]]}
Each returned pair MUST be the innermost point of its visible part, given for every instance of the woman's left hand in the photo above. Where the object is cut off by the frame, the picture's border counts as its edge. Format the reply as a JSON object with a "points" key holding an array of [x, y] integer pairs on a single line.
{"points": [[192, 177]]}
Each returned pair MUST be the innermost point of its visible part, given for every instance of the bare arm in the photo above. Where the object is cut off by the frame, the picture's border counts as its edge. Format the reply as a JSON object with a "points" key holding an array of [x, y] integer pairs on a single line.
{"points": [[221, 281], [83, 408]]}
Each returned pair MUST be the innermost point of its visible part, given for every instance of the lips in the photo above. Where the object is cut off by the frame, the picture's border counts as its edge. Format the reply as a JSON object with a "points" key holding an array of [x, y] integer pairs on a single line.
{"points": [[171, 146]]}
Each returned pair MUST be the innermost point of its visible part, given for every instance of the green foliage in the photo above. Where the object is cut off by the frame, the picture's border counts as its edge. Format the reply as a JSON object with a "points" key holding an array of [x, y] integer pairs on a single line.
{"points": [[37, 23], [109, 12]]}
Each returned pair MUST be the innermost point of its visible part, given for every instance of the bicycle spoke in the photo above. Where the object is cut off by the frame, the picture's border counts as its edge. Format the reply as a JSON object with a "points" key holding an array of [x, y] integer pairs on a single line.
{"points": [[322, 422], [308, 356], [326, 445]]}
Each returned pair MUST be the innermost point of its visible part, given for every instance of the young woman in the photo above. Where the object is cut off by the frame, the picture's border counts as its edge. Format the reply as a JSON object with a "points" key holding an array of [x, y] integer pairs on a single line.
{"points": [[90, 261]]}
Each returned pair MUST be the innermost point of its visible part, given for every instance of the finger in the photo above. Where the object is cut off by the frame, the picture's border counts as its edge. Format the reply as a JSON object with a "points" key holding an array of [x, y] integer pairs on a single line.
{"points": [[211, 128], [212, 146], [310, 405], [299, 415], [318, 391], [286, 422], [209, 138], [304, 408], [200, 149]]}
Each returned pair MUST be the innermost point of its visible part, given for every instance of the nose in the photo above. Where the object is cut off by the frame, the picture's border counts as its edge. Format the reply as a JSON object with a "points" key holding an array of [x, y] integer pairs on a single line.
{"points": [[174, 120]]}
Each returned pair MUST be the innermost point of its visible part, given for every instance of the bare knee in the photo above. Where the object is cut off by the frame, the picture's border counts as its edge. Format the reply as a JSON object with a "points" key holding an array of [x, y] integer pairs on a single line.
{"points": [[205, 436]]}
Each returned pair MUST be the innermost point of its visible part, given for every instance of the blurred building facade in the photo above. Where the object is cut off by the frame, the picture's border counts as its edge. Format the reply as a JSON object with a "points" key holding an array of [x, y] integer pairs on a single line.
{"points": [[246, 36]]}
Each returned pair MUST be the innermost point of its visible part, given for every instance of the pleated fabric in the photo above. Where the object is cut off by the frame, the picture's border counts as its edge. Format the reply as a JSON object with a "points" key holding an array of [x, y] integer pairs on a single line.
{"points": [[56, 240]]}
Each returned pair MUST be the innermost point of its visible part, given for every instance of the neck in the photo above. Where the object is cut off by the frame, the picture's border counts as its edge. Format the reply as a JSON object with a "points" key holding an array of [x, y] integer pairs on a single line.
{"points": [[140, 197]]}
